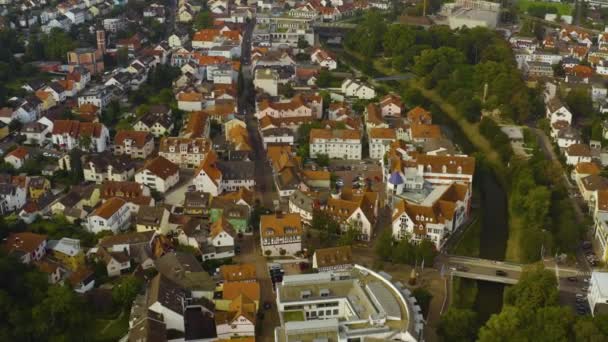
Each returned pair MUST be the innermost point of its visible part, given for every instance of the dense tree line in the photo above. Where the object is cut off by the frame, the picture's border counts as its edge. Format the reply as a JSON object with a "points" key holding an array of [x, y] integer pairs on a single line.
{"points": [[474, 69], [531, 312], [404, 251], [33, 310], [539, 200]]}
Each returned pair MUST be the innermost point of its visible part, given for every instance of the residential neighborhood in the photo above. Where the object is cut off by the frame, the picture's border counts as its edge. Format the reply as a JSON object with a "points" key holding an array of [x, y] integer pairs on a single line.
{"points": [[306, 170]]}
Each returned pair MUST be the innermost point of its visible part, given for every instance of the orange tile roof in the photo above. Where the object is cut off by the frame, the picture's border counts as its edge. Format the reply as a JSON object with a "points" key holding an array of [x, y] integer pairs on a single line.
{"points": [[205, 35], [334, 256], [208, 165], [419, 115], [20, 153], [238, 272], [161, 167], [425, 131], [211, 60], [602, 200], [382, 133], [437, 162], [190, 97], [197, 122], [138, 137], [233, 35], [587, 168], [283, 225], [24, 242], [109, 207], [87, 108], [319, 133], [43, 95], [232, 290]]}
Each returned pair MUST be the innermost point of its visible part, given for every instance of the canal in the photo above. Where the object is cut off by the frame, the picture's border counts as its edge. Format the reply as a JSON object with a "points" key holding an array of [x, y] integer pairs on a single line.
{"points": [[492, 240], [493, 207]]}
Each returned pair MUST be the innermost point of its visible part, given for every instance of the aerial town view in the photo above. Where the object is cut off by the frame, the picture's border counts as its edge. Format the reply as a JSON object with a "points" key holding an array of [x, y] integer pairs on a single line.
{"points": [[304, 170]]}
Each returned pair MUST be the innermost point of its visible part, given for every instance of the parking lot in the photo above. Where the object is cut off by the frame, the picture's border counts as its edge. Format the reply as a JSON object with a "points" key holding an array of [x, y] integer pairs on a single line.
{"points": [[574, 293]]}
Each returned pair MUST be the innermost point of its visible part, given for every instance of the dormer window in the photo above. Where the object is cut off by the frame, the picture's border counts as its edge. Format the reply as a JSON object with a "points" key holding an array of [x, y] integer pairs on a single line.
{"points": [[444, 169], [459, 170]]}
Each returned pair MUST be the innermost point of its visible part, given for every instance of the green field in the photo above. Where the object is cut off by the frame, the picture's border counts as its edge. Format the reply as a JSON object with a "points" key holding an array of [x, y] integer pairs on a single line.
{"points": [[562, 8]]}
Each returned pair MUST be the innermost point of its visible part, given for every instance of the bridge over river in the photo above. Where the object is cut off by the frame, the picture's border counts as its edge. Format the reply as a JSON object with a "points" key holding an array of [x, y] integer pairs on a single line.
{"points": [[484, 269]]}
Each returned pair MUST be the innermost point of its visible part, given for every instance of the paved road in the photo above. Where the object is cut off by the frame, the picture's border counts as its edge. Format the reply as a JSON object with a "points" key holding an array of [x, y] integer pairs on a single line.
{"points": [[486, 269], [175, 196], [250, 253], [263, 172]]}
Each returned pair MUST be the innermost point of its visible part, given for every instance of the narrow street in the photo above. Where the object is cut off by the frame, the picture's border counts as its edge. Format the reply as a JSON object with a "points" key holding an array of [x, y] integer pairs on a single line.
{"points": [[246, 108]]}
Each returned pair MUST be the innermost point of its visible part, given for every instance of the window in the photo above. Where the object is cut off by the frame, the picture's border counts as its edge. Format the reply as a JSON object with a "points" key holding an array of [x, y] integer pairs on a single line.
{"points": [[335, 311]]}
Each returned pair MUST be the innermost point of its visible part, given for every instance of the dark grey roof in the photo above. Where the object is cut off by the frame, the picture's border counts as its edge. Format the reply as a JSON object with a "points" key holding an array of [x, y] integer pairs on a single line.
{"points": [[152, 118], [150, 215], [102, 161], [235, 170], [197, 199], [199, 324]]}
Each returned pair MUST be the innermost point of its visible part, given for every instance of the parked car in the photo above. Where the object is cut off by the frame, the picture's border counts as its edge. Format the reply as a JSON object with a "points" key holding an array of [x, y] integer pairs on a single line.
{"points": [[462, 268], [267, 305], [501, 273], [572, 279]]}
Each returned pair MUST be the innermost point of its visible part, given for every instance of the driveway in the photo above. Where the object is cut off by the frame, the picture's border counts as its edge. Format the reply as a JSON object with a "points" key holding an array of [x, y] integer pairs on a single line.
{"points": [[175, 196]]}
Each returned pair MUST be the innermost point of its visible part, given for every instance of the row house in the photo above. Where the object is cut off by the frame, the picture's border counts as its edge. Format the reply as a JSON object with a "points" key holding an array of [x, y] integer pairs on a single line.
{"points": [[27, 247], [324, 59], [380, 140], [354, 88], [158, 174], [280, 234], [296, 107], [356, 210], [133, 193], [136, 144], [113, 215], [89, 58], [434, 219], [104, 166], [336, 143], [89, 136], [215, 176], [185, 152], [158, 121], [99, 96]]}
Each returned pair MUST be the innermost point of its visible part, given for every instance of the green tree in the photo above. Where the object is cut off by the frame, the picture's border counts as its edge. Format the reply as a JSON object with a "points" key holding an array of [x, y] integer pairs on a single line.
{"points": [[203, 20], [458, 325], [325, 79], [124, 292], [122, 57], [384, 245], [323, 160], [368, 36], [61, 314], [57, 44], [579, 102], [85, 142], [537, 287]]}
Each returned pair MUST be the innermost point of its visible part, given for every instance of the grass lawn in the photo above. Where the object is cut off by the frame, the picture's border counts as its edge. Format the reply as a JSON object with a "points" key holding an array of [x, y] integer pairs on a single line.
{"points": [[469, 242], [112, 329], [513, 253], [562, 8], [292, 316]]}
